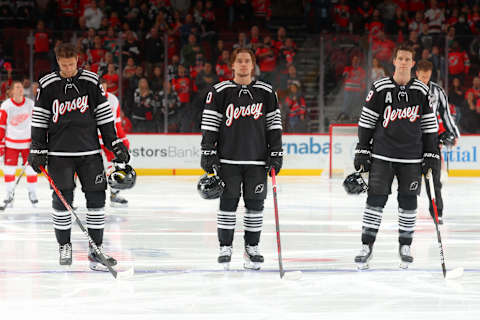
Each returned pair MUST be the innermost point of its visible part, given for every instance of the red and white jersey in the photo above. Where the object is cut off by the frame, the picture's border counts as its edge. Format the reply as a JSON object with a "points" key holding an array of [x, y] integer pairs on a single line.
{"points": [[115, 106], [15, 123]]}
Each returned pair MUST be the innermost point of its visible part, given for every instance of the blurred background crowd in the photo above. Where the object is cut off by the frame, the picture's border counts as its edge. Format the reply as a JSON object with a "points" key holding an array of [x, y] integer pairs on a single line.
{"points": [[160, 57]]}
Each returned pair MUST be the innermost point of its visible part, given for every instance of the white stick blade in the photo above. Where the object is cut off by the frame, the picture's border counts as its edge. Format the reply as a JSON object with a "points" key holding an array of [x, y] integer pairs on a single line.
{"points": [[127, 274], [293, 275], [454, 274]]}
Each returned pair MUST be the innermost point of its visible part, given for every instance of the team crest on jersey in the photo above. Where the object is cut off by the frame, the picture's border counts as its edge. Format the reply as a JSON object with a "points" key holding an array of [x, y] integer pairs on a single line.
{"points": [[60, 108], [259, 188], [19, 118], [233, 113], [390, 115]]}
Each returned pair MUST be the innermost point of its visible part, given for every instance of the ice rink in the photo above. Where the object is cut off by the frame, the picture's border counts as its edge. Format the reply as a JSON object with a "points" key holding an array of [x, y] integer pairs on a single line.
{"points": [[168, 234]]}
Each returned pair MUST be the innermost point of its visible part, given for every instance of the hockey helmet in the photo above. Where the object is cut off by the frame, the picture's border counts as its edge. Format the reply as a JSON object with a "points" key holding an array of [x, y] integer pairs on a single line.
{"points": [[447, 139], [354, 183], [210, 187], [122, 177]]}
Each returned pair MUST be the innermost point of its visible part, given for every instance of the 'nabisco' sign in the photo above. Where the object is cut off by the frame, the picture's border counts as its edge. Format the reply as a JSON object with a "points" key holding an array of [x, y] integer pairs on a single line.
{"points": [[410, 113], [59, 109], [233, 113]]}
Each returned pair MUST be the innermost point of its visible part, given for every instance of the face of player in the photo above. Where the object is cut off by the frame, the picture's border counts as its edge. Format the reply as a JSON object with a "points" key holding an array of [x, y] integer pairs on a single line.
{"points": [[403, 62], [243, 67], [68, 66], [424, 76], [17, 91]]}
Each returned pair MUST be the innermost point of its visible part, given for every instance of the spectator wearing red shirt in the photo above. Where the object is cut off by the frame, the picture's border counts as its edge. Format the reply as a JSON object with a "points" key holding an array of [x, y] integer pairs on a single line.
{"points": [[286, 55], [458, 61], [415, 6], [7, 84], [223, 70], [453, 19], [295, 107], [354, 81], [364, 14], [112, 79], [383, 48], [67, 12], [375, 26], [341, 16], [262, 9], [473, 94], [280, 40], [267, 59], [41, 48], [474, 19], [114, 21], [98, 52], [182, 84]]}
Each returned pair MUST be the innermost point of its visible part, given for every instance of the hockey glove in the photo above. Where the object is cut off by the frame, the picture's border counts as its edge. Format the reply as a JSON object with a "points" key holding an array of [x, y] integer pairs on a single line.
{"points": [[431, 161], [208, 160], [120, 151], [363, 158], [274, 160], [447, 139], [37, 158]]}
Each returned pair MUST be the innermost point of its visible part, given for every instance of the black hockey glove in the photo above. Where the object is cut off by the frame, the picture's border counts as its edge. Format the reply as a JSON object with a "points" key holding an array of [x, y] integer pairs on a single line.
{"points": [[431, 161], [363, 158], [37, 158], [447, 139], [120, 151], [274, 160], [208, 160]]}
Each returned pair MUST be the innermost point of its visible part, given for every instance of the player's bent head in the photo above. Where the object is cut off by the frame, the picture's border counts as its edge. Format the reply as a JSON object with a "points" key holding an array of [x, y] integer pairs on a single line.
{"points": [[67, 58], [424, 71]]}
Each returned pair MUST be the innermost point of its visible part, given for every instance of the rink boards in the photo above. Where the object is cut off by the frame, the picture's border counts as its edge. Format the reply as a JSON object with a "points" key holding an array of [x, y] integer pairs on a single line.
{"points": [[305, 154]]}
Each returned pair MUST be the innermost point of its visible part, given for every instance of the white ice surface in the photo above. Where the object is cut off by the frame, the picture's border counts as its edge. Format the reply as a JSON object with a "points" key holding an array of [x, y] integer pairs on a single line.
{"points": [[168, 234]]}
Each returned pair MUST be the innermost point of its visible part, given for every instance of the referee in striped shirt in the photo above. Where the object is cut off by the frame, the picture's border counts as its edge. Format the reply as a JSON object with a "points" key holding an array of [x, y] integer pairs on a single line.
{"points": [[439, 103]]}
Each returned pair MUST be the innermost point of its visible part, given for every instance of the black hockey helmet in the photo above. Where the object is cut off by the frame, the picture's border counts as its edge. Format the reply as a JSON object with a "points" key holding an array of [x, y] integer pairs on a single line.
{"points": [[447, 139], [354, 183], [121, 177], [210, 187]]}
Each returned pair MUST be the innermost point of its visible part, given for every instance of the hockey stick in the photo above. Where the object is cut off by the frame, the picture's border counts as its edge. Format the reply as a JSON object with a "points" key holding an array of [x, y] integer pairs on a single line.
{"points": [[287, 275], [457, 272], [115, 274], [10, 199]]}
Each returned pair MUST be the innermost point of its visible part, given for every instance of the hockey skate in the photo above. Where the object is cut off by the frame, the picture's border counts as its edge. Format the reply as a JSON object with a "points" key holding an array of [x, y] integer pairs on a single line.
{"points": [[364, 257], [65, 252], [405, 256], [8, 202], [96, 263], [116, 201], [225, 256], [253, 258], [33, 198]]}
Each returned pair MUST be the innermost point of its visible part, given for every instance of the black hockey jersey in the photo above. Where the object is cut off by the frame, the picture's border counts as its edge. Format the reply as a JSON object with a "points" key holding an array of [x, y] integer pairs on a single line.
{"points": [[242, 122], [68, 112], [400, 120]]}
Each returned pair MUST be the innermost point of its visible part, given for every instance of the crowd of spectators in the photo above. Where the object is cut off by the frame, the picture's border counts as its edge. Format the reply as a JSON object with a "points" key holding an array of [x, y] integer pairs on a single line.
{"points": [[162, 56]]}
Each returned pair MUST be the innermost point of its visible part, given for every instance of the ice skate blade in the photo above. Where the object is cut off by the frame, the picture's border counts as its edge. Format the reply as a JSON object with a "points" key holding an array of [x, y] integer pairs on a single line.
{"points": [[118, 205], [454, 274], [249, 265], [225, 265], [363, 266], [404, 265]]}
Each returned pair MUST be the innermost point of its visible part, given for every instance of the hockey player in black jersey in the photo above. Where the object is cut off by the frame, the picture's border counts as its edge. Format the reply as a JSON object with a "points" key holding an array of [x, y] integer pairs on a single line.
{"points": [[397, 138], [242, 136], [448, 131], [70, 105]]}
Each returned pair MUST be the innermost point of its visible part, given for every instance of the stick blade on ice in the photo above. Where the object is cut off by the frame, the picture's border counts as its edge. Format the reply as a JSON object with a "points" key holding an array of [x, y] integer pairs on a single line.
{"points": [[292, 275], [127, 274], [454, 274]]}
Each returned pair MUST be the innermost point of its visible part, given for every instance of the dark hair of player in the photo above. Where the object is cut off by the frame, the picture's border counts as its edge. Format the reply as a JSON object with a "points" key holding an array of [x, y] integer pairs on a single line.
{"points": [[66, 50], [403, 47], [424, 65], [239, 50]]}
